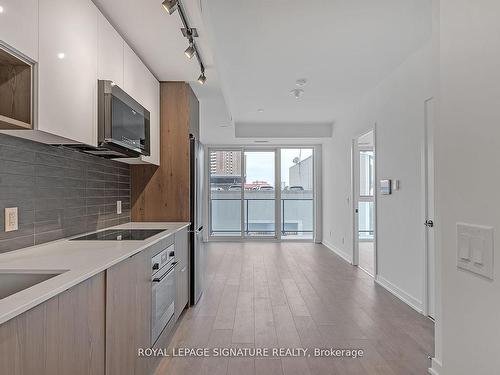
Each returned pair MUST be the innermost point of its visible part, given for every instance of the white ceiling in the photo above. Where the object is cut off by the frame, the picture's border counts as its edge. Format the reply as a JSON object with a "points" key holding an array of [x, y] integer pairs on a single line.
{"points": [[254, 51], [343, 48], [156, 37]]}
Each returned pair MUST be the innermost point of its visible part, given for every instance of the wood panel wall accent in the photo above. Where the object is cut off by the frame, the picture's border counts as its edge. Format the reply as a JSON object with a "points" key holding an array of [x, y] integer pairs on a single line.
{"points": [[162, 193], [64, 335]]}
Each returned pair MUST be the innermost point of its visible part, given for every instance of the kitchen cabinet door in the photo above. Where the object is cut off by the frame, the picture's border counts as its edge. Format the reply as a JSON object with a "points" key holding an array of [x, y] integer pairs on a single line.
{"points": [[182, 271], [153, 101], [19, 26], [134, 75], [64, 335], [145, 88], [128, 315], [68, 69], [110, 54], [182, 246]]}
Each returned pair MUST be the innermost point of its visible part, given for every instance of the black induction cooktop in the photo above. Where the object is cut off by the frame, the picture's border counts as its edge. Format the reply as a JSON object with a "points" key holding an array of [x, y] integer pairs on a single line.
{"points": [[120, 235]]}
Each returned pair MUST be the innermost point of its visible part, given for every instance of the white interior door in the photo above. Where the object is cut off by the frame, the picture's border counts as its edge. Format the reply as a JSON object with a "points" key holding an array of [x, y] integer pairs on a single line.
{"points": [[430, 207]]}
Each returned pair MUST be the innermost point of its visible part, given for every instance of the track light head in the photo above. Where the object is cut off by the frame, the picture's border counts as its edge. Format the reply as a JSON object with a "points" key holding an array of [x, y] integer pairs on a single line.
{"points": [[190, 51], [170, 5], [202, 79], [297, 93]]}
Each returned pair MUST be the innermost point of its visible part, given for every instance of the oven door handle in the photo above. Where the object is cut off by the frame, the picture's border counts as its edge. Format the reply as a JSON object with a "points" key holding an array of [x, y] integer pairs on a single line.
{"points": [[160, 279]]}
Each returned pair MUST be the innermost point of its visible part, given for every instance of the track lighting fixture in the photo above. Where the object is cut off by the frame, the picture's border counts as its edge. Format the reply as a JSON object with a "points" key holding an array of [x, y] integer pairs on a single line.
{"points": [[297, 93], [170, 6], [190, 33], [202, 79], [190, 51]]}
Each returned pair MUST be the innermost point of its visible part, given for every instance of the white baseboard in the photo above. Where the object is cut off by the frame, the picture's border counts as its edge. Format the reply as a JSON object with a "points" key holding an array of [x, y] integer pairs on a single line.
{"points": [[347, 257], [436, 367], [401, 294]]}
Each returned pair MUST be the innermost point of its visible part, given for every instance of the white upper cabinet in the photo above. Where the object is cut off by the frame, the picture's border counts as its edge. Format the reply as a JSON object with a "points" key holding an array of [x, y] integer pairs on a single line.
{"points": [[134, 73], [19, 26], [139, 83], [75, 45], [153, 100], [110, 59], [68, 69]]}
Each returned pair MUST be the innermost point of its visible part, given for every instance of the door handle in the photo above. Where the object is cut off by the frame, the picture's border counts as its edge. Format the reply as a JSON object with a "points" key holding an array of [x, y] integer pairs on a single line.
{"points": [[429, 223], [160, 279]]}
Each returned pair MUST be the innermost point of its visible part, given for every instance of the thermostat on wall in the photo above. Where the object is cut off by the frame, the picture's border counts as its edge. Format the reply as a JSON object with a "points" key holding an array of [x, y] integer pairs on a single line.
{"points": [[385, 187]]}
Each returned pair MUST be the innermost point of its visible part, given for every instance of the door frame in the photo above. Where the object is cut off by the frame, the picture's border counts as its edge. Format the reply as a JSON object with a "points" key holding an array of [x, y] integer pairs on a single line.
{"points": [[428, 158], [355, 194]]}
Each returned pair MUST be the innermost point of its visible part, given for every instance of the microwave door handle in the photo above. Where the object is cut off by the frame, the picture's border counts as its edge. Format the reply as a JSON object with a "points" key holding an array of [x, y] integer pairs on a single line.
{"points": [[160, 279]]}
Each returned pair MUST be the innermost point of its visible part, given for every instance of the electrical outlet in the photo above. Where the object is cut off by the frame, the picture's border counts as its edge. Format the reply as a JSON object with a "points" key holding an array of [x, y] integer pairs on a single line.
{"points": [[11, 222], [119, 207]]}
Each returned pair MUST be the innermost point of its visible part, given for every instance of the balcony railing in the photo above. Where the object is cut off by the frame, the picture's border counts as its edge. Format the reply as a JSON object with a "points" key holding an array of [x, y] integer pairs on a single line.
{"points": [[259, 216]]}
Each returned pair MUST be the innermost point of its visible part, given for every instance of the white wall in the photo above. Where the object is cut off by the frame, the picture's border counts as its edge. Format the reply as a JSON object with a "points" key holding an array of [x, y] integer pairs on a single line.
{"points": [[468, 170], [397, 107]]}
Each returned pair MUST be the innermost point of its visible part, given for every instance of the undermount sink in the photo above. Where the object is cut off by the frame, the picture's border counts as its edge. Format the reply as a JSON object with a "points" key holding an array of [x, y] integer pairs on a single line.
{"points": [[15, 281]]}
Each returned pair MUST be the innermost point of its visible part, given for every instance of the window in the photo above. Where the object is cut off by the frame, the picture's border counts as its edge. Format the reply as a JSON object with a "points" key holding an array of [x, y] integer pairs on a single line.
{"points": [[225, 193], [262, 193]]}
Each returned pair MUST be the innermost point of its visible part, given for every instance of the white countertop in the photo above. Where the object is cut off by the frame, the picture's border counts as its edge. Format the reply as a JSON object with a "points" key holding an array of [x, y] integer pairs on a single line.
{"points": [[78, 260]]}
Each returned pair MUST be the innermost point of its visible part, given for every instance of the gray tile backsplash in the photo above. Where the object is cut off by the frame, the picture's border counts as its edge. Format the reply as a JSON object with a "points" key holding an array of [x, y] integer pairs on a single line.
{"points": [[59, 192]]}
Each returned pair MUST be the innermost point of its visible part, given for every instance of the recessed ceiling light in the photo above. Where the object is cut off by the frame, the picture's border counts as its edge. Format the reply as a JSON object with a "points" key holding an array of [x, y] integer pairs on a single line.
{"points": [[260, 110], [297, 93], [301, 82], [1, 9], [61, 55]]}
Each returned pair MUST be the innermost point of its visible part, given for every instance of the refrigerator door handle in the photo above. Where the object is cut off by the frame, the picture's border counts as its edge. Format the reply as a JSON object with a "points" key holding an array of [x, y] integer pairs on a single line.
{"points": [[197, 231]]}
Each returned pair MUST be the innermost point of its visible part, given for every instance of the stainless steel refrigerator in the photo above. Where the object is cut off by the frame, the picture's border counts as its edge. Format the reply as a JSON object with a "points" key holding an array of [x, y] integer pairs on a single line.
{"points": [[197, 249]]}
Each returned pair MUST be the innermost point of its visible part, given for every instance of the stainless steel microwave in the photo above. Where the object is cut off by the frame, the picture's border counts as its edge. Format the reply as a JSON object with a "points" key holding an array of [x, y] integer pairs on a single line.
{"points": [[123, 124]]}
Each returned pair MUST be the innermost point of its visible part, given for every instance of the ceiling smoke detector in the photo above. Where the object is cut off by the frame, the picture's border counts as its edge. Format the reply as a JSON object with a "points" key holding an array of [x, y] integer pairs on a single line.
{"points": [[297, 93]]}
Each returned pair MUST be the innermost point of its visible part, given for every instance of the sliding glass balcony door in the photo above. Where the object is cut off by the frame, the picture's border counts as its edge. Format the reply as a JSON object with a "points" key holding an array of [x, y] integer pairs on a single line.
{"points": [[262, 193], [297, 193], [259, 197]]}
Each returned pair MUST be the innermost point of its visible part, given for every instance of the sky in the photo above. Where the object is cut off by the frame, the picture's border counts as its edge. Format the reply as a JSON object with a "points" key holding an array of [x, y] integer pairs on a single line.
{"points": [[260, 164]]}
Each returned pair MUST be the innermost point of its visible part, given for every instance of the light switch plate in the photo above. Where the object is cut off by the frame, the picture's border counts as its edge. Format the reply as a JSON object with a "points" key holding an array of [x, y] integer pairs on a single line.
{"points": [[11, 220], [475, 249], [119, 207]]}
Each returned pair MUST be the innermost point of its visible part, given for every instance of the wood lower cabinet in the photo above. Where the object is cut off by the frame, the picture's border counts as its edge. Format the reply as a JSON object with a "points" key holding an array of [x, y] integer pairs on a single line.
{"points": [[181, 271], [97, 326], [128, 315], [64, 335]]}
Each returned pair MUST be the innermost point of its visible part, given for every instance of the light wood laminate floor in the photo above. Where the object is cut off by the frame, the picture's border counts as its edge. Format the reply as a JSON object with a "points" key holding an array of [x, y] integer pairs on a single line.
{"points": [[366, 257], [297, 295]]}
